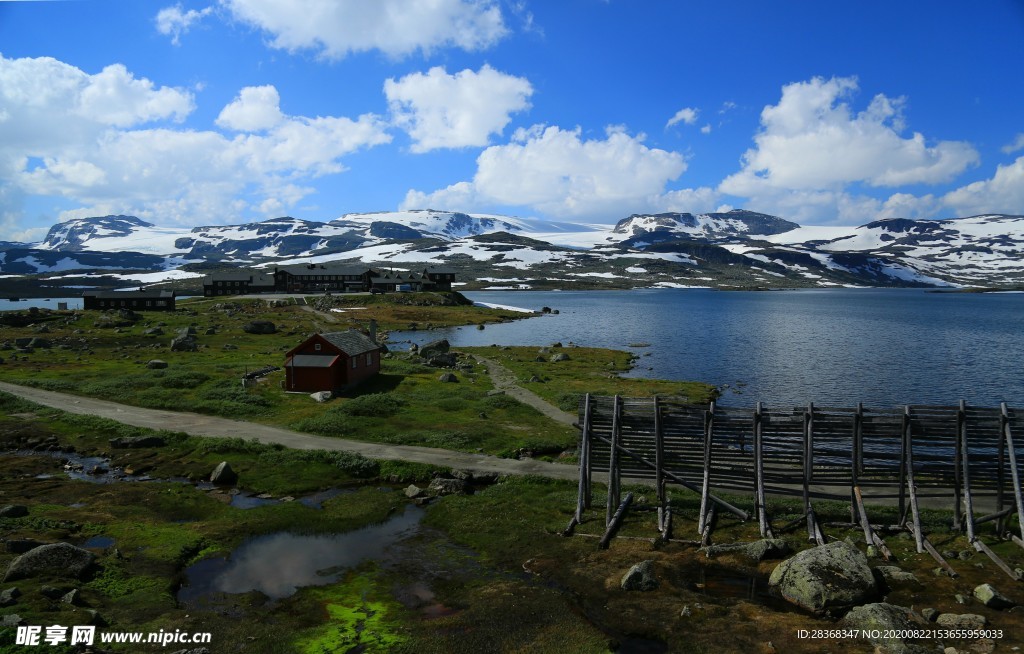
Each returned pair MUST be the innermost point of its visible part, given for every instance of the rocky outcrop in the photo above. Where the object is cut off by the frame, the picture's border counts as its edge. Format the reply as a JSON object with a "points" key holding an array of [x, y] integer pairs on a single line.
{"points": [[259, 327], [223, 474], [14, 511], [321, 396], [992, 598], [961, 620], [766, 548], [441, 486], [884, 620], [434, 348], [184, 342], [640, 577], [825, 579], [156, 364], [56, 560], [448, 378]]}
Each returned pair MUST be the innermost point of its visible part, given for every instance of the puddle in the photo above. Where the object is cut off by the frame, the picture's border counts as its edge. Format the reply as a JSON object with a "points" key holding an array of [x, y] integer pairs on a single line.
{"points": [[278, 564], [247, 501], [101, 542], [722, 583], [316, 500]]}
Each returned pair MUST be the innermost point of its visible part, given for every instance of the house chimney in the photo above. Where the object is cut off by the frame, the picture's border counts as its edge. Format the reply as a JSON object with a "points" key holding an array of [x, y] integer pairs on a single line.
{"points": [[373, 330]]}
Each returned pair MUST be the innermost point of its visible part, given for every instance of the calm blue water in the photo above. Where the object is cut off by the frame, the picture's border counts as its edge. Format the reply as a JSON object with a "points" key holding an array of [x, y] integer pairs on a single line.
{"points": [[883, 347], [42, 303]]}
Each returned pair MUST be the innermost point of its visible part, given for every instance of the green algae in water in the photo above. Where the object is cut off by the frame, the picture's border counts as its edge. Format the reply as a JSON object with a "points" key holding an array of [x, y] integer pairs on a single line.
{"points": [[358, 617]]}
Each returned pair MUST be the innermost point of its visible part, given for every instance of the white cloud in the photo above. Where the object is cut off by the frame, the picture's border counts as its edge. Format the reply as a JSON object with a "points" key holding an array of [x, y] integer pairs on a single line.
{"points": [[255, 109], [686, 115], [706, 129], [453, 111], [1015, 146], [559, 173], [812, 140], [1003, 193], [337, 28], [72, 135], [173, 22]]}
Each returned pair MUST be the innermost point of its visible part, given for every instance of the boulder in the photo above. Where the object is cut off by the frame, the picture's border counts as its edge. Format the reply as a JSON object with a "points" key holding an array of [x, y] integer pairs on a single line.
{"points": [[156, 364], [56, 560], [223, 474], [184, 343], [259, 327], [413, 491], [434, 348], [992, 598], [894, 573], [448, 378], [640, 577], [884, 619], [138, 441], [11, 620], [826, 578], [961, 620], [561, 356], [766, 548], [322, 396], [9, 597], [14, 511], [442, 361], [441, 486], [72, 597], [153, 331]]}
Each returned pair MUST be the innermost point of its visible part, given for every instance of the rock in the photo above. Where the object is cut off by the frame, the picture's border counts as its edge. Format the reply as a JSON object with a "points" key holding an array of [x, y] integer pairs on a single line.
{"points": [[153, 331], [322, 396], [229, 346], [138, 441], [442, 361], [534, 379], [184, 343], [992, 598], [883, 619], [413, 491], [929, 614], [434, 348], [442, 486], [464, 475], [9, 596], [156, 364], [96, 619], [223, 474], [448, 378], [72, 597], [826, 578], [961, 620], [767, 548], [640, 577], [561, 356], [893, 573], [11, 620], [13, 511], [56, 560], [259, 327]]}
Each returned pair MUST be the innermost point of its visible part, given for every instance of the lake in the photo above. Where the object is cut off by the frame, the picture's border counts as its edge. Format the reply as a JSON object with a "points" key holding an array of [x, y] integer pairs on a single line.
{"points": [[883, 347]]}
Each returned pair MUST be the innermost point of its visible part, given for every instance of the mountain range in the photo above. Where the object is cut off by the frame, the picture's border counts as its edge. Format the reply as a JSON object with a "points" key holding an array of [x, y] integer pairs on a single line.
{"points": [[734, 249]]}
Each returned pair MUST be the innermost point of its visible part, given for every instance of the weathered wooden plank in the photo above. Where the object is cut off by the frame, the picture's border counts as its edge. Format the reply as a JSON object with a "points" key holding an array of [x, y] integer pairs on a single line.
{"points": [[616, 521]]}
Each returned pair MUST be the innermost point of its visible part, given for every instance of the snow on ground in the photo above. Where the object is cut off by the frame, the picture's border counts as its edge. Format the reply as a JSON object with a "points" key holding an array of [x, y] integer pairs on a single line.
{"points": [[664, 256], [675, 285], [636, 270], [604, 275], [811, 233], [517, 287], [491, 305]]}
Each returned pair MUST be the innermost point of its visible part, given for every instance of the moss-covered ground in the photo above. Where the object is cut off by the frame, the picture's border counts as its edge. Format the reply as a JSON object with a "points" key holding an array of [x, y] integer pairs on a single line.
{"points": [[485, 572]]}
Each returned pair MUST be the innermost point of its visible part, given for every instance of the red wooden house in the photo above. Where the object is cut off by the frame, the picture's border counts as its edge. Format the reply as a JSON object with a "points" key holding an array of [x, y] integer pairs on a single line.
{"points": [[331, 362]]}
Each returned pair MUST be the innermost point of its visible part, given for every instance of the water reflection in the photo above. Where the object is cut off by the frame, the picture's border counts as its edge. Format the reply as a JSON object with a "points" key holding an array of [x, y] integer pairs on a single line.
{"points": [[279, 564]]}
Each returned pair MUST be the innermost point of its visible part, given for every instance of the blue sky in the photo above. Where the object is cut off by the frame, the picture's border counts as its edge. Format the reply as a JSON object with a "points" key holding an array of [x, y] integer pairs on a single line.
{"points": [[223, 111]]}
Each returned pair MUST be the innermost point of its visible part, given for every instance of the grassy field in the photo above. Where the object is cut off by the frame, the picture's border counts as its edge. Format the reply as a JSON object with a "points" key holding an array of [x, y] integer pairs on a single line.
{"points": [[486, 572], [405, 404]]}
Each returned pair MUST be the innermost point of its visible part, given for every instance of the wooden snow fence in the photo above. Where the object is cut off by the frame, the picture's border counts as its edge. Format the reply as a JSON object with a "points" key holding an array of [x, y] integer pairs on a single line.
{"points": [[950, 456]]}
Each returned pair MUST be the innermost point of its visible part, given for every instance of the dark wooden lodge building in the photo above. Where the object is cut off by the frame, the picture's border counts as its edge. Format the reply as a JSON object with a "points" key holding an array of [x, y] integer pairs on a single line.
{"points": [[331, 362], [134, 300]]}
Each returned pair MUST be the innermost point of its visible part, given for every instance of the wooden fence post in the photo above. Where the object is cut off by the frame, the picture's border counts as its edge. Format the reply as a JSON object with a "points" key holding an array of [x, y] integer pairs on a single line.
{"points": [[709, 431], [759, 497], [908, 445], [1014, 472], [613, 465], [587, 446], [965, 454], [903, 467], [961, 420], [1001, 474]]}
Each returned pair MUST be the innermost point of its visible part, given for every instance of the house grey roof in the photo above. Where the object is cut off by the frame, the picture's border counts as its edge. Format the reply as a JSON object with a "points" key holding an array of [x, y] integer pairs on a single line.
{"points": [[301, 270], [254, 278], [312, 360], [130, 295], [351, 342]]}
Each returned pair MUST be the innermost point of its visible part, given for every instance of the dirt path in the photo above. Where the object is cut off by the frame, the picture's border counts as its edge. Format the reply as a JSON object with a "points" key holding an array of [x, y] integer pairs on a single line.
{"points": [[200, 425], [506, 381]]}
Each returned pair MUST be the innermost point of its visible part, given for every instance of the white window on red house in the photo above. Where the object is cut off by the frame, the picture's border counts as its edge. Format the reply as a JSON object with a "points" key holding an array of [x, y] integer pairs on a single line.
{"points": [[316, 346], [354, 362], [369, 358]]}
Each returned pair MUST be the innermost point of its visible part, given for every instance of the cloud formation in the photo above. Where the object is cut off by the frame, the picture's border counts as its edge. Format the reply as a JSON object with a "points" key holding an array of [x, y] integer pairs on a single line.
{"points": [[173, 21], [84, 137], [337, 28], [454, 111], [561, 174], [812, 139], [686, 115]]}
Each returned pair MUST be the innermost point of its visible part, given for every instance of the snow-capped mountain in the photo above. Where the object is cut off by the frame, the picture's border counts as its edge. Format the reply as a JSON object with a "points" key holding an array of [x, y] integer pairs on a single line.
{"points": [[732, 249]]}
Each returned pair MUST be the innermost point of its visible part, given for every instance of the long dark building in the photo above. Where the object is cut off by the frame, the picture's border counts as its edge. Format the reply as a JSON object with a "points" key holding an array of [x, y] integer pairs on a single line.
{"points": [[134, 300], [320, 278]]}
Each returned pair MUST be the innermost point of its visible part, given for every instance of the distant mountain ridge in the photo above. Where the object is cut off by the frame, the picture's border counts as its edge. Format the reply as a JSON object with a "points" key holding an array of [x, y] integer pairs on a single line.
{"points": [[734, 249]]}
